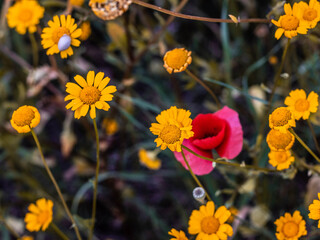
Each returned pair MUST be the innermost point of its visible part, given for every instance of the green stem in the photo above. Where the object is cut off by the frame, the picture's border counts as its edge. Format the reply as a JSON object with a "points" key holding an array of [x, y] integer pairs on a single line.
{"points": [[230, 163], [193, 175], [74, 225], [34, 46], [58, 231], [95, 186], [313, 136], [304, 145]]}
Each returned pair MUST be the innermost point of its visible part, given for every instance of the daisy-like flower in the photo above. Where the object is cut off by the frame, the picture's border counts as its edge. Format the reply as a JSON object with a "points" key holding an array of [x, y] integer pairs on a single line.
{"points": [[92, 92], [39, 216], [177, 60], [25, 15], [110, 125], [109, 9], [77, 3], [300, 105], [178, 235], [174, 125], [234, 212], [290, 24], [86, 30], [60, 35], [25, 118], [280, 159], [310, 13], [290, 227], [26, 238], [279, 141], [149, 159], [314, 209], [210, 224], [281, 119]]}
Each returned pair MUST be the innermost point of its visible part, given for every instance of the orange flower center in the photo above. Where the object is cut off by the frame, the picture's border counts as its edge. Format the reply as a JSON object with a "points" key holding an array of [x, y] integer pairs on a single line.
{"points": [[170, 134], [58, 33], [177, 58], [309, 14], [280, 116], [43, 217], [280, 140], [281, 157], [90, 95], [301, 105], [290, 229], [210, 225], [23, 116], [25, 15], [289, 22]]}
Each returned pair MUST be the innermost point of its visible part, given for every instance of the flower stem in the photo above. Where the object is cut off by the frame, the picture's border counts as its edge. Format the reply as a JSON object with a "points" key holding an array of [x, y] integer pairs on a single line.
{"points": [[304, 145], [193, 175], [9, 228], [314, 136], [95, 184], [204, 86], [58, 231], [230, 163], [56, 186], [34, 46], [196, 18]]}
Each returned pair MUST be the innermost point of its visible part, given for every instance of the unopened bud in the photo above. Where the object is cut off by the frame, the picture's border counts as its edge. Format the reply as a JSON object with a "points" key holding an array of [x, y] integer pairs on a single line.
{"points": [[199, 194]]}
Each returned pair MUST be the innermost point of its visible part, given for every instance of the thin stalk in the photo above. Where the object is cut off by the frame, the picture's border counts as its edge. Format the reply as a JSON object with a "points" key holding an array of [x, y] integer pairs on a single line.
{"points": [[34, 46], [304, 145], [313, 136], [230, 163], [194, 176], [58, 231], [74, 225], [196, 18], [204, 86], [95, 185], [11, 230]]}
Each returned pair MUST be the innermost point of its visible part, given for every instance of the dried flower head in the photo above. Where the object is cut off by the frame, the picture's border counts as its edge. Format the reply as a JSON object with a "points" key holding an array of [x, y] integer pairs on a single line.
{"points": [[25, 118], [279, 141], [281, 119], [177, 60], [280, 159], [109, 9]]}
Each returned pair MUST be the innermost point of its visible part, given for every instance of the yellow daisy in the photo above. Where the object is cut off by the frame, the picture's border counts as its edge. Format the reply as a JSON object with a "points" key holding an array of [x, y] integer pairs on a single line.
{"points": [[281, 119], [174, 125], [177, 235], [60, 35], [77, 3], [25, 118], [177, 60], [310, 13], [110, 125], [300, 105], [25, 15], [26, 238], [39, 216], [210, 224], [314, 209], [280, 159], [149, 159], [290, 23], [290, 227], [92, 92], [86, 31], [279, 141]]}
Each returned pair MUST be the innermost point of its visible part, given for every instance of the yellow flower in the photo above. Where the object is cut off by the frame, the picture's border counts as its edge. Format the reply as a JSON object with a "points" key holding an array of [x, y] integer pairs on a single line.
{"points": [[278, 141], [177, 235], [39, 216], [86, 30], [209, 224], [234, 211], [91, 93], [280, 159], [25, 118], [111, 126], [177, 60], [300, 105], [60, 35], [149, 159], [25, 15], [77, 3], [26, 238], [281, 119], [273, 60], [314, 209], [290, 227], [310, 13], [290, 23], [174, 125], [108, 10]]}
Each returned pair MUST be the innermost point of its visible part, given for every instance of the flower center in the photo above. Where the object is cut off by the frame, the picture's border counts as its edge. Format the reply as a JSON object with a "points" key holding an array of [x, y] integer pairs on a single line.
{"points": [[210, 225], [23, 116], [177, 58], [280, 140], [290, 229], [25, 15], [43, 217], [90, 95], [281, 157], [289, 23], [280, 117], [58, 33], [170, 134], [301, 105], [309, 14]]}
